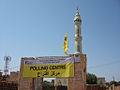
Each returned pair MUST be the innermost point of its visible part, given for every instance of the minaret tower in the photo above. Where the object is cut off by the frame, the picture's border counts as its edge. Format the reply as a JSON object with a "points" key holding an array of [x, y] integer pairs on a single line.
{"points": [[78, 37]]}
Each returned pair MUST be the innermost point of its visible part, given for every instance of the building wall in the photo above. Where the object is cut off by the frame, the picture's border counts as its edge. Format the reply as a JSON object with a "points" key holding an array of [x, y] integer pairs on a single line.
{"points": [[8, 86], [78, 82], [101, 81], [0, 74], [13, 77], [10, 81], [95, 87], [61, 82], [113, 87], [117, 87], [25, 83]]}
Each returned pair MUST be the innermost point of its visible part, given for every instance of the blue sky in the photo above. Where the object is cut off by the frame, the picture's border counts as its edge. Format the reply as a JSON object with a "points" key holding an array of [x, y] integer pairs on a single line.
{"points": [[31, 28]]}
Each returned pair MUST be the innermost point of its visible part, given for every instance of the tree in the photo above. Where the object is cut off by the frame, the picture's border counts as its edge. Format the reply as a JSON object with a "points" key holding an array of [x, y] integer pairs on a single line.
{"points": [[91, 78], [119, 82], [115, 83], [107, 83], [46, 83], [52, 82]]}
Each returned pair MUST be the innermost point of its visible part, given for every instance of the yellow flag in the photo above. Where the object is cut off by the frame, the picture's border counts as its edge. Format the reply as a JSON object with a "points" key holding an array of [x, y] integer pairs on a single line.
{"points": [[65, 45]]}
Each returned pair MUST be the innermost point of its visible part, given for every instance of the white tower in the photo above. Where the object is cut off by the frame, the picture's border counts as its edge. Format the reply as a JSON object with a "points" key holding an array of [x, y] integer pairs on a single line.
{"points": [[78, 37]]}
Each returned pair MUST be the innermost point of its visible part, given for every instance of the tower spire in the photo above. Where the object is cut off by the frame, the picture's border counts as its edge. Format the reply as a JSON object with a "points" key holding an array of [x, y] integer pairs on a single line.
{"points": [[77, 12], [78, 37], [77, 16]]}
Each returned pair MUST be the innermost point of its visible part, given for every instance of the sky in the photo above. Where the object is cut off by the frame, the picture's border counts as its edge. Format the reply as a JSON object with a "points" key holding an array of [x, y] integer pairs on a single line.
{"points": [[34, 28]]}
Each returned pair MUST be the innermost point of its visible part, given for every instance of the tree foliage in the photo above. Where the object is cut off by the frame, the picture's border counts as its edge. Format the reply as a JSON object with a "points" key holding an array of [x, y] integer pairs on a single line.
{"points": [[114, 82], [52, 82], [91, 78], [46, 83]]}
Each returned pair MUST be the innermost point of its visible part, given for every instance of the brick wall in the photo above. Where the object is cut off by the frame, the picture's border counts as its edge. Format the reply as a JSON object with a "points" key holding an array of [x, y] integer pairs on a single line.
{"points": [[78, 82], [0, 74], [8, 86], [113, 87], [25, 83], [95, 87], [13, 77]]}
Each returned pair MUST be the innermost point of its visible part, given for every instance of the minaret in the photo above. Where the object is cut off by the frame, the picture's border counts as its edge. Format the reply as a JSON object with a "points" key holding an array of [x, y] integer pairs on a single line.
{"points": [[78, 37]]}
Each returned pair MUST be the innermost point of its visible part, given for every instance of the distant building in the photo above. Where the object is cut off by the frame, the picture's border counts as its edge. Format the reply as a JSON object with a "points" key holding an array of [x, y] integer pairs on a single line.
{"points": [[61, 82], [101, 81], [9, 82], [13, 77], [113, 87]]}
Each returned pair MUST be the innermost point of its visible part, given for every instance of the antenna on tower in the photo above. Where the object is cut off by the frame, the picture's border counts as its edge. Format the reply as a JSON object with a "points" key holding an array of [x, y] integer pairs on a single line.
{"points": [[7, 60]]}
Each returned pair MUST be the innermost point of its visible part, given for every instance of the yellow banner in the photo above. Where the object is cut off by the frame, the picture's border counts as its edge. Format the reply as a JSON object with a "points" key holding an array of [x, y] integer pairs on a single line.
{"points": [[65, 45], [47, 71]]}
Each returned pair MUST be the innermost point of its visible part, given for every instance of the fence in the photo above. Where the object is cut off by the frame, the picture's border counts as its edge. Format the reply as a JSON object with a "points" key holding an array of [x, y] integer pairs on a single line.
{"points": [[95, 87]]}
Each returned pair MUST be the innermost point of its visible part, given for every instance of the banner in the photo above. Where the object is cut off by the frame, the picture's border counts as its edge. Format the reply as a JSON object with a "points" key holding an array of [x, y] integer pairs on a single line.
{"points": [[65, 45], [63, 67]]}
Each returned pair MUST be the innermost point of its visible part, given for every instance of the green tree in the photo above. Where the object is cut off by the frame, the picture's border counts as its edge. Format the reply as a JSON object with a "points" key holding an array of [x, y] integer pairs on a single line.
{"points": [[115, 83], [119, 82], [91, 78], [107, 83], [46, 83], [52, 82]]}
